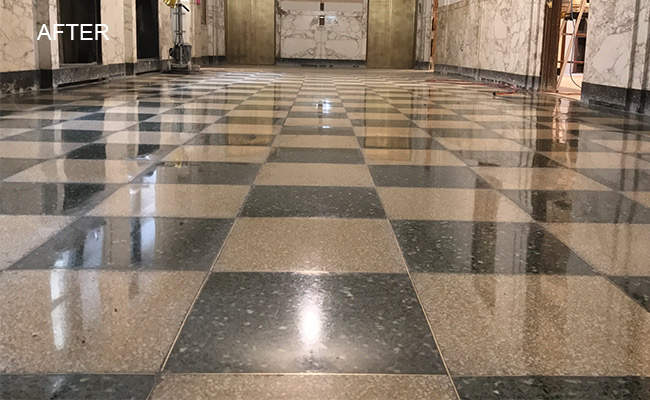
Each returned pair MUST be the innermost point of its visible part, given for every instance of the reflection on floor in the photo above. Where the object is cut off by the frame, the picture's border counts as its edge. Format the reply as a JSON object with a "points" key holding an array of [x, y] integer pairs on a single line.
{"points": [[571, 86], [321, 234]]}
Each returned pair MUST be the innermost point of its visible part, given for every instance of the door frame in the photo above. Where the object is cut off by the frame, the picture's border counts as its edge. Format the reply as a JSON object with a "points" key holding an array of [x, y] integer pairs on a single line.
{"points": [[550, 45]]}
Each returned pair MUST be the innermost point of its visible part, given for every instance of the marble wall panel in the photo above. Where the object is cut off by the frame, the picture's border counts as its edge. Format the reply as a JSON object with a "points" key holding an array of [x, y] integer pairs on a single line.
{"points": [[47, 52], [112, 15], [496, 35], [130, 32], [221, 27], [17, 36], [618, 42], [343, 37], [423, 30], [165, 36]]}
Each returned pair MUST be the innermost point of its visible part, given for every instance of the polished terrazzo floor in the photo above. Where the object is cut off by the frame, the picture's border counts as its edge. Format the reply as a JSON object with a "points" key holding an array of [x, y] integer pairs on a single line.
{"points": [[321, 234]]}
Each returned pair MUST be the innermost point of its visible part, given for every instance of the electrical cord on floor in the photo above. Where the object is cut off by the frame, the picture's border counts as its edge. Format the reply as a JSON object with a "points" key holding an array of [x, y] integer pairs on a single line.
{"points": [[573, 46]]}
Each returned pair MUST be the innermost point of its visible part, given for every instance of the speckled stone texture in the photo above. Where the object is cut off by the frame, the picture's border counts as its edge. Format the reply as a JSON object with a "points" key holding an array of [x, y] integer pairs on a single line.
{"points": [[299, 387], [323, 233], [281, 322]]}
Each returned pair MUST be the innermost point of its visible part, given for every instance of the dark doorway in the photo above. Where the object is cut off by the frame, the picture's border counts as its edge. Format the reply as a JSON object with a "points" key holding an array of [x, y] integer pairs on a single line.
{"points": [[79, 12], [146, 16]]}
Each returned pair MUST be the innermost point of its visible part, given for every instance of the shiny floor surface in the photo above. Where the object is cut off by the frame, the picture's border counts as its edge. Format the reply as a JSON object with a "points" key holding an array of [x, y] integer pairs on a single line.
{"points": [[321, 234]]}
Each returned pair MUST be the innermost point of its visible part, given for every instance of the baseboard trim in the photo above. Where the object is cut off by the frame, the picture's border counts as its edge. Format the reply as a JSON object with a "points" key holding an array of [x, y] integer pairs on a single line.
{"points": [[522, 81], [18, 81], [313, 62], [624, 99]]}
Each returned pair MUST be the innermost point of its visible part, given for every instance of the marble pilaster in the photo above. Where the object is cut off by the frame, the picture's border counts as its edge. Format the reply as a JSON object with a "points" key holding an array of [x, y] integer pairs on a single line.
{"points": [[112, 15], [17, 36]]}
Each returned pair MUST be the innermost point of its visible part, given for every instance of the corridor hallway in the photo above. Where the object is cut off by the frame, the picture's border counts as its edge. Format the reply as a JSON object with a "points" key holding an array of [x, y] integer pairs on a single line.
{"points": [[285, 233]]}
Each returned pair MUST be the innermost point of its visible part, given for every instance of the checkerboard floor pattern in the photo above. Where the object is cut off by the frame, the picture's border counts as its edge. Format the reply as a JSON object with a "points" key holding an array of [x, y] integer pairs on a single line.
{"points": [[337, 234]]}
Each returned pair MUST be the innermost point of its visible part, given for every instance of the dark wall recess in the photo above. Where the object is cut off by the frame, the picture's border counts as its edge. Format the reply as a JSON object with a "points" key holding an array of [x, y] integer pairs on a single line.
{"points": [[146, 14], [79, 51]]}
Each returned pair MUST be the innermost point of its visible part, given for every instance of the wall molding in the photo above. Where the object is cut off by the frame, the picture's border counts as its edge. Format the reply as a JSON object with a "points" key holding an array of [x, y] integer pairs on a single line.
{"points": [[522, 81], [314, 62], [19, 81]]}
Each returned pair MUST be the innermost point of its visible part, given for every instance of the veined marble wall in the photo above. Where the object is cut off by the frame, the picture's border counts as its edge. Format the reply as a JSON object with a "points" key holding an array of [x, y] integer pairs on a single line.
{"points": [[496, 35], [220, 25], [130, 32], [618, 43], [112, 14], [343, 37], [47, 52], [18, 36], [423, 30], [21, 56]]}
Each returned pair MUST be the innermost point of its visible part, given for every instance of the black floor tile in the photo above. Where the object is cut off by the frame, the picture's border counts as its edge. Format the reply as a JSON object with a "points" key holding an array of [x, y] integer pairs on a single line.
{"points": [[262, 107], [316, 114], [553, 388], [12, 166], [74, 108], [389, 123], [59, 135], [51, 198], [316, 130], [371, 109], [610, 135], [132, 243], [220, 100], [196, 111], [75, 387], [118, 151], [186, 127], [637, 287], [629, 126], [397, 142], [193, 173], [283, 323], [231, 139], [309, 155], [571, 145], [316, 201], [524, 125], [117, 117], [302, 102], [27, 123], [645, 157], [579, 206], [523, 159], [637, 180], [436, 117], [250, 120], [463, 133], [426, 176], [485, 248]]}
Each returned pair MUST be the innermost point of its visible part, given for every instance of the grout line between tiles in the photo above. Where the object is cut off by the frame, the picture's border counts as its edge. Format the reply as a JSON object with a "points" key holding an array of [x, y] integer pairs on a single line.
{"points": [[417, 295]]}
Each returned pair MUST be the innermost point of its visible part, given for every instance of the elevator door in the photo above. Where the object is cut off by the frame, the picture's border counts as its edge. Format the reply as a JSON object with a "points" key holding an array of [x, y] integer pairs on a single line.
{"points": [[250, 32], [146, 19], [391, 33], [79, 51]]}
